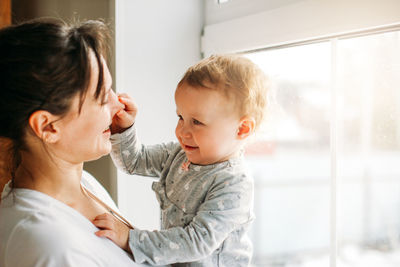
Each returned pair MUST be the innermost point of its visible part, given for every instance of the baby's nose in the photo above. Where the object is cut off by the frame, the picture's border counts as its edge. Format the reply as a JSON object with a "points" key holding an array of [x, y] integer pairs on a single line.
{"points": [[185, 132]]}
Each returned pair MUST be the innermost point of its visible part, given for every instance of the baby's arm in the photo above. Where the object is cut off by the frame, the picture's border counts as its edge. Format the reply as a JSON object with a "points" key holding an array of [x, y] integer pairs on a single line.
{"points": [[128, 153], [226, 208]]}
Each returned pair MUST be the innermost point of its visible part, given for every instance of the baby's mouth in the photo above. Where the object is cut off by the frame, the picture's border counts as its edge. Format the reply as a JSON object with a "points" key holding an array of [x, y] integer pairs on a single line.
{"points": [[189, 147]]}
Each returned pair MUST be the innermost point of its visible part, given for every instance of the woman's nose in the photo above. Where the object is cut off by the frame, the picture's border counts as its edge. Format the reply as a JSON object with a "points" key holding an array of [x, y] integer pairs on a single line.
{"points": [[115, 104]]}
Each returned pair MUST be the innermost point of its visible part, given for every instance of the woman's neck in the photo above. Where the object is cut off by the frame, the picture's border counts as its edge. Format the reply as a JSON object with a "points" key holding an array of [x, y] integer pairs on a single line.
{"points": [[54, 177]]}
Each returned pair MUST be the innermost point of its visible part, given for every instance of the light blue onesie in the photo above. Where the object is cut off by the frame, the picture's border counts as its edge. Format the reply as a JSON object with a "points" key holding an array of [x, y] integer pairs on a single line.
{"points": [[206, 210]]}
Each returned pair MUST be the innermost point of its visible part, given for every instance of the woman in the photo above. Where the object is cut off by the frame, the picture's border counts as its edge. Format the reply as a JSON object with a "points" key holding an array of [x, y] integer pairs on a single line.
{"points": [[57, 106]]}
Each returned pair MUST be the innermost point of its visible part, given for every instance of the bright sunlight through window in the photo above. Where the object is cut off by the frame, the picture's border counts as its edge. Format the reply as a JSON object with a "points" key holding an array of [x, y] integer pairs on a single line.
{"points": [[291, 159]]}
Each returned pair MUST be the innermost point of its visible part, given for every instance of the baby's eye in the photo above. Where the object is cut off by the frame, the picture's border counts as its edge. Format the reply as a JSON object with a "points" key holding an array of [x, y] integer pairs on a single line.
{"points": [[180, 117], [196, 122]]}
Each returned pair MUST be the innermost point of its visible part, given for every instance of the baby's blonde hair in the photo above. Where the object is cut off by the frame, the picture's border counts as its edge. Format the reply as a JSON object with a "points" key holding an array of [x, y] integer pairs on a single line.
{"points": [[235, 76]]}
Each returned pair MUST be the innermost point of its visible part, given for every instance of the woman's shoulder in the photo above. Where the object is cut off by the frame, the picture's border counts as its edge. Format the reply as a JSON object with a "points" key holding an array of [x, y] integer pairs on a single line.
{"points": [[39, 238], [39, 228], [40, 223], [59, 241]]}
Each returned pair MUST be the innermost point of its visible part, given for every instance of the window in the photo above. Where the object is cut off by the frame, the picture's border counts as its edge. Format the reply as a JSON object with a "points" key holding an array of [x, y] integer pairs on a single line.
{"points": [[326, 162]]}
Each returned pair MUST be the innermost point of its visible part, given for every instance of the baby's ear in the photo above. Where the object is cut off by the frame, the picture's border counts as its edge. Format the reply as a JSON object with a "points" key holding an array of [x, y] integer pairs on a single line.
{"points": [[41, 123], [246, 127]]}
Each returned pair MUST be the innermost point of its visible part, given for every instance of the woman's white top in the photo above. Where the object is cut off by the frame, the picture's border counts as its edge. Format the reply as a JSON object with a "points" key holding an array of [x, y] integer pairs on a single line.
{"points": [[38, 230]]}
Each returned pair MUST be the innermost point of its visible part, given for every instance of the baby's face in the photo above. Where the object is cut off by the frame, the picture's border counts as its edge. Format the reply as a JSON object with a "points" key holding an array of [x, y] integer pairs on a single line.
{"points": [[208, 125]]}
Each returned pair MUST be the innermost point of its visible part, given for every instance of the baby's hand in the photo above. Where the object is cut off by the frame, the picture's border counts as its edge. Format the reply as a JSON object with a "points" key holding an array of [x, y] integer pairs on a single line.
{"points": [[113, 229], [124, 118]]}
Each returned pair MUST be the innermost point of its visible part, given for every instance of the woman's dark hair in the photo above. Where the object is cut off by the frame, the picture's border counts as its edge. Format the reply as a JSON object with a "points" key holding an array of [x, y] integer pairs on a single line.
{"points": [[44, 64]]}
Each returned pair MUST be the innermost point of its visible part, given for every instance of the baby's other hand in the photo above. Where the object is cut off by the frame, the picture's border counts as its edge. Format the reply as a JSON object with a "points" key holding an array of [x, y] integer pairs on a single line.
{"points": [[113, 229], [124, 118]]}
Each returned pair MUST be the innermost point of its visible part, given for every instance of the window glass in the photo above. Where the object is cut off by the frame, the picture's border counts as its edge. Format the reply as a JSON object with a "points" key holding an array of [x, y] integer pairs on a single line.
{"points": [[290, 159], [369, 150]]}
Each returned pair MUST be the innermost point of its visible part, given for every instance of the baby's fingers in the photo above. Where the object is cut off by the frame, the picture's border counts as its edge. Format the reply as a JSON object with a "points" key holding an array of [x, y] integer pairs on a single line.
{"points": [[107, 233], [125, 95], [130, 105], [104, 224], [123, 116], [104, 216], [104, 221]]}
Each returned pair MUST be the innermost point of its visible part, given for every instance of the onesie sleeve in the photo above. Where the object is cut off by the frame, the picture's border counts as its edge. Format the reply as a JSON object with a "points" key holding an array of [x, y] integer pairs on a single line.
{"points": [[228, 206], [134, 158]]}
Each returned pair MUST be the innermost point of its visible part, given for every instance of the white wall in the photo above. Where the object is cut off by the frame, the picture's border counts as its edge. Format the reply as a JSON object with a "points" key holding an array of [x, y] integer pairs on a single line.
{"points": [[216, 13], [156, 41]]}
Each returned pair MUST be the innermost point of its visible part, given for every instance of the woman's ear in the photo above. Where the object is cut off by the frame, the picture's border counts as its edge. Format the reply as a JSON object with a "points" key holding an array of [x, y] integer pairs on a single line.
{"points": [[246, 127], [42, 124]]}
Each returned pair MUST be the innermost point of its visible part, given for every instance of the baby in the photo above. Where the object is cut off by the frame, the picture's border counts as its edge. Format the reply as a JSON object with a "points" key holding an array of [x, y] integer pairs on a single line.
{"points": [[204, 190]]}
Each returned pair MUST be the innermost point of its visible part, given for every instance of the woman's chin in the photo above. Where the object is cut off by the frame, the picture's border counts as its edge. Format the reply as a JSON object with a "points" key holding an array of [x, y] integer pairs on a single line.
{"points": [[100, 153]]}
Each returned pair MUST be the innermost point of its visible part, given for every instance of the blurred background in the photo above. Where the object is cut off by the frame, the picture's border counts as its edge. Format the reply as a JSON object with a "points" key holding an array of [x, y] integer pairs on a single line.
{"points": [[293, 175], [325, 162]]}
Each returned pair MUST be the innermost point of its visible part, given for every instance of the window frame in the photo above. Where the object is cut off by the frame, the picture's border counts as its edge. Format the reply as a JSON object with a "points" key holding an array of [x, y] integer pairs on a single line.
{"points": [[247, 34], [301, 22]]}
